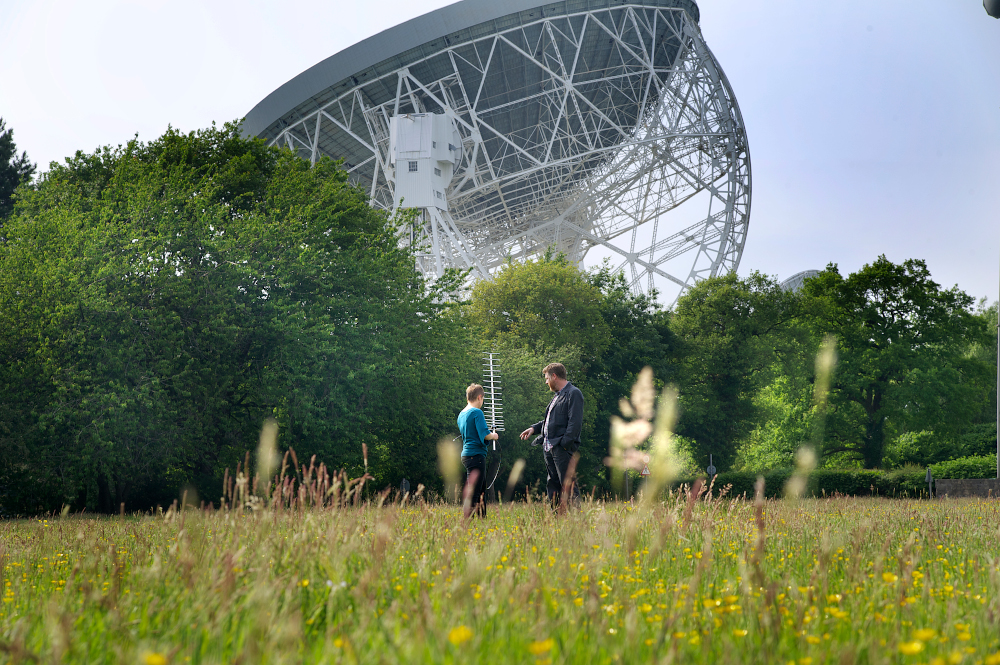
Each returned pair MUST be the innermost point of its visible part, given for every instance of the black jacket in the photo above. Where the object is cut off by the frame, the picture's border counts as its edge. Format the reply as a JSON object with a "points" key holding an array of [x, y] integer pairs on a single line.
{"points": [[565, 415]]}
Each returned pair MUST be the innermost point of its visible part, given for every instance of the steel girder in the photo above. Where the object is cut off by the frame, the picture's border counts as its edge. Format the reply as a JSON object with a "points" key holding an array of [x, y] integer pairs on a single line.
{"points": [[565, 146]]}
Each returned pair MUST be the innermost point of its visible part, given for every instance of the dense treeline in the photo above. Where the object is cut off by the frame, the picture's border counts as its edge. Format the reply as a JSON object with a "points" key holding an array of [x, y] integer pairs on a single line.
{"points": [[914, 380], [159, 301]]}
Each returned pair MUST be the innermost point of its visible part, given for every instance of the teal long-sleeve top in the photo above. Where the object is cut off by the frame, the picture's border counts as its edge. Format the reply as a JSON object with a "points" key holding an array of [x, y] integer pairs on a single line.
{"points": [[472, 425]]}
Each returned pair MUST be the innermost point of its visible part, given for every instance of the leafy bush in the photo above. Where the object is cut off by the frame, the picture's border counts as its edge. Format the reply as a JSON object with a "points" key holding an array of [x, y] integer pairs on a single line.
{"points": [[929, 448], [980, 439], [919, 448], [906, 482], [975, 466]]}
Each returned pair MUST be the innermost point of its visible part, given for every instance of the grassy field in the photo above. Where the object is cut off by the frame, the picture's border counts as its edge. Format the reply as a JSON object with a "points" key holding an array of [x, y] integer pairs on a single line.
{"points": [[805, 582]]}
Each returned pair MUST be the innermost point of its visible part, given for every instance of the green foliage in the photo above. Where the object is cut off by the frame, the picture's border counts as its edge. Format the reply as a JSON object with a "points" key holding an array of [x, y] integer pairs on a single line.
{"points": [[824, 482], [926, 447], [784, 424], [982, 352], [915, 372], [640, 336], [978, 439], [902, 361], [729, 335], [976, 466], [14, 170], [546, 303], [918, 448], [159, 300]]}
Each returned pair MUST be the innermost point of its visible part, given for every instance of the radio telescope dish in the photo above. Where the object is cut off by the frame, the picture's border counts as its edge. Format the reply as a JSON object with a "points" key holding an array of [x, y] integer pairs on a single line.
{"points": [[588, 126], [798, 280]]}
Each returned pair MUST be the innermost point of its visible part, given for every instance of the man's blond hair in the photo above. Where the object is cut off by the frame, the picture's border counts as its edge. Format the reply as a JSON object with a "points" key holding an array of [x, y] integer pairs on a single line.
{"points": [[473, 392]]}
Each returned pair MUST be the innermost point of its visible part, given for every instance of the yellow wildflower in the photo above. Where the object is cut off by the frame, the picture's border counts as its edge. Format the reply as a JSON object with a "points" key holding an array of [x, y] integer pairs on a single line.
{"points": [[540, 647], [911, 648], [459, 634], [149, 658]]}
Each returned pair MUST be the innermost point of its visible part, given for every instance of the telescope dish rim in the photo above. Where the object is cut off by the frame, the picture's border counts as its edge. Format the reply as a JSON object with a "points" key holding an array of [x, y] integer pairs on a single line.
{"points": [[412, 34]]}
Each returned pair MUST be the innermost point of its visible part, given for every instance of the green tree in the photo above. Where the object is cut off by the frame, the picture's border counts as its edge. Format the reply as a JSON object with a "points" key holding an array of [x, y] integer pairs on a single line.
{"points": [[14, 170], [640, 336], [731, 334], [784, 422], [159, 300], [902, 343], [545, 303], [983, 352]]}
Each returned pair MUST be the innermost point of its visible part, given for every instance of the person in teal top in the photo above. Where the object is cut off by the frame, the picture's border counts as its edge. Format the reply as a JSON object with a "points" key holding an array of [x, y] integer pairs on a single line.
{"points": [[475, 434]]}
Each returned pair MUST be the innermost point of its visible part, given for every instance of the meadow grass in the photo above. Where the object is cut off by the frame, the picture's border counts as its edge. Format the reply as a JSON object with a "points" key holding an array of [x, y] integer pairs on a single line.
{"points": [[811, 581]]}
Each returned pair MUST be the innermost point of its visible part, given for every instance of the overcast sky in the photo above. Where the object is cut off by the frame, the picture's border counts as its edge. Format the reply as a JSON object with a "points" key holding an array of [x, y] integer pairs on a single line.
{"points": [[874, 125]]}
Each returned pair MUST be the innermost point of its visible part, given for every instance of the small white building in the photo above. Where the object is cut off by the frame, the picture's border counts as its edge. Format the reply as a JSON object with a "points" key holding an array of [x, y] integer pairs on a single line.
{"points": [[424, 149]]}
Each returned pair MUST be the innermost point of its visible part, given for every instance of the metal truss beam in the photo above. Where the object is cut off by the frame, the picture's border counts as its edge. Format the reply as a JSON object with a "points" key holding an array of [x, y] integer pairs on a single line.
{"points": [[610, 155]]}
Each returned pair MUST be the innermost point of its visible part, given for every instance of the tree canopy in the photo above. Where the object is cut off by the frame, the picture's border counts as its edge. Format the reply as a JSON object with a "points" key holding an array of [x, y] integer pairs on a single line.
{"points": [[730, 333], [546, 303], [14, 170], [160, 300], [902, 342], [913, 373]]}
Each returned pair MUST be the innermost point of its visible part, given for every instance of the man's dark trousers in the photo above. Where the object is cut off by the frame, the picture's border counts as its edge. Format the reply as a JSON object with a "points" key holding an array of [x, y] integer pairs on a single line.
{"points": [[477, 463], [557, 466]]}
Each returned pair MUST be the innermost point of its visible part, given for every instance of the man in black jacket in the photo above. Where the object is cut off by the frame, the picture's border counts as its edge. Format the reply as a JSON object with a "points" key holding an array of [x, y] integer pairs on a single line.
{"points": [[560, 429]]}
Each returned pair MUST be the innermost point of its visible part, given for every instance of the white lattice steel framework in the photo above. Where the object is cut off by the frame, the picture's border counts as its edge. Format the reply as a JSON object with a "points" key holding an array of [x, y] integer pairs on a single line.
{"points": [[581, 129]]}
